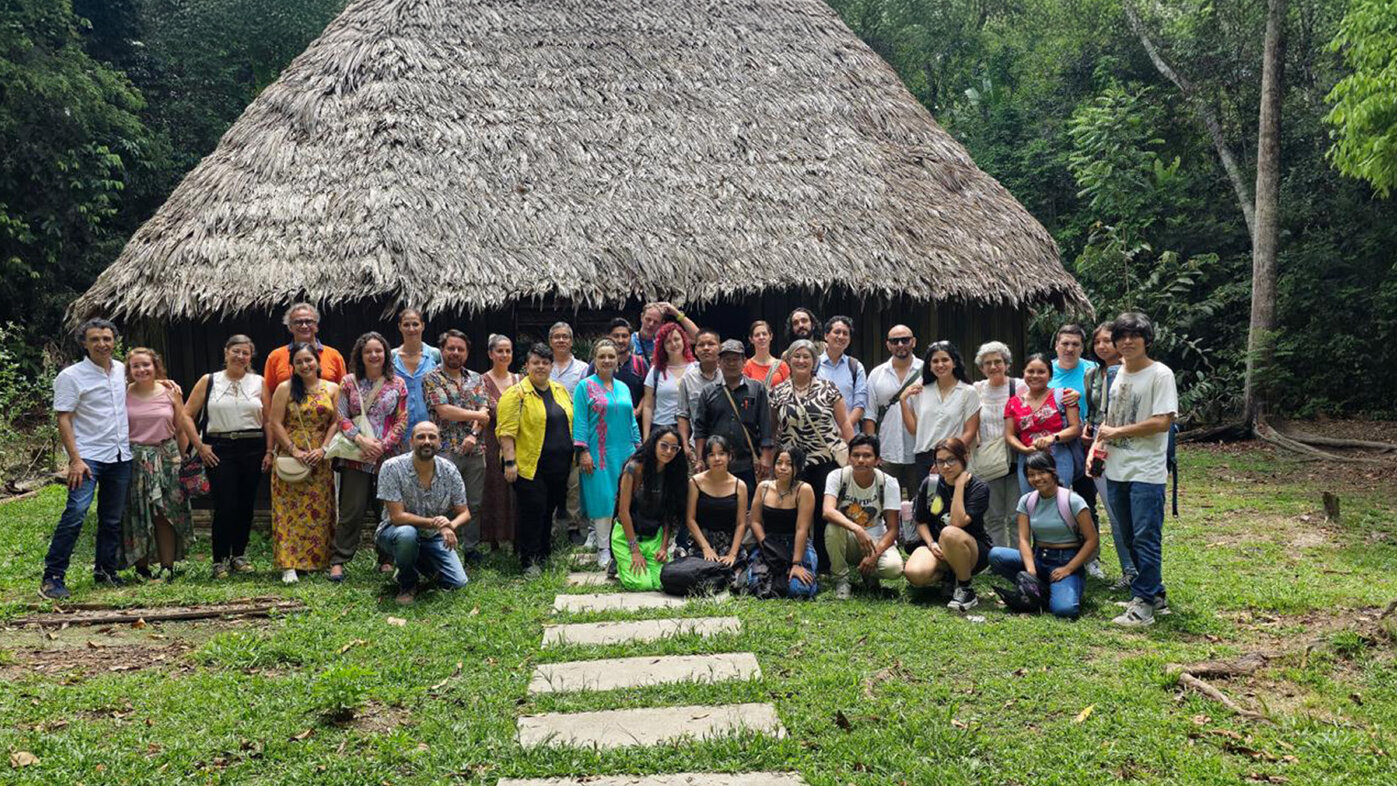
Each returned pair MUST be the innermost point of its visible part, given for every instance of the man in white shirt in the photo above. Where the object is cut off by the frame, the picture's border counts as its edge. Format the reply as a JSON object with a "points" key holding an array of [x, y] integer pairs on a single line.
{"points": [[861, 510], [1135, 435], [567, 371], [884, 416], [90, 400]]}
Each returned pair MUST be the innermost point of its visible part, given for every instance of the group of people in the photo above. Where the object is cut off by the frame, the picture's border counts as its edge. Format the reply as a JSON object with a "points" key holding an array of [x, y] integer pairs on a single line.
{"points": [[672, 443]]}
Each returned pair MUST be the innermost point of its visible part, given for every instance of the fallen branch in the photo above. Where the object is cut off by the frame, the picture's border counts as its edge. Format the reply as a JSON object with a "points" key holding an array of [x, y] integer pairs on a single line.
{"points": [[1334, 442], [165, 614], [1244, 666], [1271, 435], [1189, 681], [1228, 432]]}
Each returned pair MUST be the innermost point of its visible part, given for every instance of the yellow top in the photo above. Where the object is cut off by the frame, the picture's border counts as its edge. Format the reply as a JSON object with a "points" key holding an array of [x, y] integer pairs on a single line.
{"points": [[521, 414]]}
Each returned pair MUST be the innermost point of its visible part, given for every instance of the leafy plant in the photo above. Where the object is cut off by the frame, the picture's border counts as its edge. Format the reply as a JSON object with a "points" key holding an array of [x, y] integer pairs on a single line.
{"points": [[339, 692]]}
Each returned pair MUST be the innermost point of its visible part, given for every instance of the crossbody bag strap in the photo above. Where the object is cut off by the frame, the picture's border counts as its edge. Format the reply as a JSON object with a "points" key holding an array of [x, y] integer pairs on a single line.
{"points": [[751, 450], [771, 372]]}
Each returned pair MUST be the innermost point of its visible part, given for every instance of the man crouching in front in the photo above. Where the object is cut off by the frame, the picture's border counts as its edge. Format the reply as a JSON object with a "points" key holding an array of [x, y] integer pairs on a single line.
{"points": [[424, 503]]}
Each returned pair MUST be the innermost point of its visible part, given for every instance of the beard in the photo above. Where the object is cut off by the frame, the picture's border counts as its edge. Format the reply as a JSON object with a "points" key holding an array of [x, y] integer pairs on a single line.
{"points": [[425, 452]]}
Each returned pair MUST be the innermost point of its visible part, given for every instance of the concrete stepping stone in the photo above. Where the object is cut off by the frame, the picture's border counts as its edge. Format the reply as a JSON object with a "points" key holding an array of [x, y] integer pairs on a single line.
{"points": [[647, 726], [614, 673], [594, 578], [680, 779], [598, 633], [618, 601]]}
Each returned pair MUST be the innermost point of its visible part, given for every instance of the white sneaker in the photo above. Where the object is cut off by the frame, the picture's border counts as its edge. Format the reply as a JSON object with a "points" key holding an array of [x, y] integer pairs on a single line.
{"points": [[1138, 614], [289, 576], [604, 558], [842, 591], [591, 541], [1094, 570]]}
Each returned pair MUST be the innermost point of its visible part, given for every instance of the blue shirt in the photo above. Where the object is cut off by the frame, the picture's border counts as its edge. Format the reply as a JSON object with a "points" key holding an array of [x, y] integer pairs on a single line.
{"points": [[416, 400], [1076, 380], [852, 383], [644, 347]]}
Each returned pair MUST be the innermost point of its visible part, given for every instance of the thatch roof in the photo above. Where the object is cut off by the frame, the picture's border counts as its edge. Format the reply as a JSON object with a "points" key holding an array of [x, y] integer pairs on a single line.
{"points": [[460, 154]]}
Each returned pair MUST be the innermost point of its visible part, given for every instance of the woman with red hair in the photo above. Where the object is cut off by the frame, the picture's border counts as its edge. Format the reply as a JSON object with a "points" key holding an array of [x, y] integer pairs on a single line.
{"points": [[673, 356]]}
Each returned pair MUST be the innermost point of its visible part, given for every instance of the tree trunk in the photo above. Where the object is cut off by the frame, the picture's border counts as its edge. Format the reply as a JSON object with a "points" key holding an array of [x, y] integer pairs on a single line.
{"points": [[1206, 115], [1261, 337]]}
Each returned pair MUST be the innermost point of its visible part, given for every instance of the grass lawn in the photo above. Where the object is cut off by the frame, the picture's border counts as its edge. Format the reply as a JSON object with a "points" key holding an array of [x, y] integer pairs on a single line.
{"points": [[870, 691]]}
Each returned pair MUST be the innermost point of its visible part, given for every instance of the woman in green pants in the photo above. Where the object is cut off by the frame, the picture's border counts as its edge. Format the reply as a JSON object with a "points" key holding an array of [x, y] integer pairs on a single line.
{"points": [[649, 508]]}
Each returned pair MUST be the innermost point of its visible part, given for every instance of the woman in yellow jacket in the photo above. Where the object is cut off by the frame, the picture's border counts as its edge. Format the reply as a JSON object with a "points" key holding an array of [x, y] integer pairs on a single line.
{"points": [[535, 433]]}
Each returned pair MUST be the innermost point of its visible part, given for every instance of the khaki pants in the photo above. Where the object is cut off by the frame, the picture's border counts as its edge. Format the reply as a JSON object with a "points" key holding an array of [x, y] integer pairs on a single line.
{"points": [[356, 497], [845, 554], [472, 469]]}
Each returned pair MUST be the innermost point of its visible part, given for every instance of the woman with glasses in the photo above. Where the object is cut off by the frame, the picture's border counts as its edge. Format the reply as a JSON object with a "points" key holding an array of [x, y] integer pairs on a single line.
{"points": [[651, 504], [950, 514], [992, 460]]}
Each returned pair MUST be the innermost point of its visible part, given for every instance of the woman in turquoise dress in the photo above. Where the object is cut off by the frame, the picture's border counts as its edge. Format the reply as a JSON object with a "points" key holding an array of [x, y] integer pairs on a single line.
{"points": [[605, 434]]}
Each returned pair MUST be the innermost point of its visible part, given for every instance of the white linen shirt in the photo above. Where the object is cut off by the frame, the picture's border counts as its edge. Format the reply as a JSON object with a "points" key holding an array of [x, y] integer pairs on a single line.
{"points": [[97, 400]]}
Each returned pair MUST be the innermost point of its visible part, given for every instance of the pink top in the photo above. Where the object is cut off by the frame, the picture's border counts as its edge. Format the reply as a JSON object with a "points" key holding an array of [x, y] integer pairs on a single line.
{"points": [[152, 421], [1030, 424]]}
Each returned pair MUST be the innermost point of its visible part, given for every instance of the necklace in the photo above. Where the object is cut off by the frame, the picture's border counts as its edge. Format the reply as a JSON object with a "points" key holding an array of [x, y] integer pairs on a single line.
{"points": [[782, 495]]}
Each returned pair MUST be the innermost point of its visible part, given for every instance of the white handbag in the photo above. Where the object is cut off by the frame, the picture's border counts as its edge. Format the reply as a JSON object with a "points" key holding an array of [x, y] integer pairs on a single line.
{"points": [[343, 447]]}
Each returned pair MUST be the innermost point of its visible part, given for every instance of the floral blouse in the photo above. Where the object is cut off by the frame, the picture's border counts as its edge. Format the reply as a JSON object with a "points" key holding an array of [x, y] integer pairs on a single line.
{"points": [[388, 414]]}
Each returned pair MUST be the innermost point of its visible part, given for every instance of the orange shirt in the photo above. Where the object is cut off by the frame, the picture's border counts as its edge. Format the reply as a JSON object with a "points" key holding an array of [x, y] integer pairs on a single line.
{"points": [[278, 367], [754, 370]]}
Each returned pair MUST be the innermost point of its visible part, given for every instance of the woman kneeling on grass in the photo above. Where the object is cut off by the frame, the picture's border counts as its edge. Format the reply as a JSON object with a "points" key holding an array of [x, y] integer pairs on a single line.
{"points": [[783, 510], [1056, 537], [649, 506], [950, 513]]}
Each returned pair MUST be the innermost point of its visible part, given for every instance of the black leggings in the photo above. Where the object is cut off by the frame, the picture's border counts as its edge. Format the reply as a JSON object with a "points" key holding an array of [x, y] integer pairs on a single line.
{"points": [[815, 475], [536, 501], [234, 484]]}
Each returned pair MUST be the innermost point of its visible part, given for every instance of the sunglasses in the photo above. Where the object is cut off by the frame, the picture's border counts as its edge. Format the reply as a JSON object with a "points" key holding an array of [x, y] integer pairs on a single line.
{"points": [[900, 340]]}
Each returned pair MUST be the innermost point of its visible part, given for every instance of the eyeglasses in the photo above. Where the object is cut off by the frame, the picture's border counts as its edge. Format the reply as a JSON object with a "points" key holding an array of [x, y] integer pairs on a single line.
{"points": [[947, 462], [304, 321], [899, 340], [667, 447]]}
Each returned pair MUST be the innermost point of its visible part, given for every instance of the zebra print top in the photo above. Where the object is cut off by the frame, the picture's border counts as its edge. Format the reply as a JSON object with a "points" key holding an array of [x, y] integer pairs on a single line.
{"points": [[808, 421]]}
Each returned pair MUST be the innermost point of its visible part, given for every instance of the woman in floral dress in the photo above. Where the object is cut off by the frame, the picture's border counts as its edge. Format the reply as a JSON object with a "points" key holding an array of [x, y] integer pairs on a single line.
{"points": [[497, 508], [303, 421]]}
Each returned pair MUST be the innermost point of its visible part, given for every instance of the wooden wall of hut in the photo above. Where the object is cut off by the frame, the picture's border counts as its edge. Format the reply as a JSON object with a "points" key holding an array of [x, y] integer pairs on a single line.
{"points": [[194, 348]]}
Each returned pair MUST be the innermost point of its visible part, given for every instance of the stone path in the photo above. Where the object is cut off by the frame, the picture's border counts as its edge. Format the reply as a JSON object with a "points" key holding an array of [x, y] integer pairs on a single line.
{"points": [[618, 601], [597, 633], [682, 779], [614, 673], [646, 726], [630, 727]]}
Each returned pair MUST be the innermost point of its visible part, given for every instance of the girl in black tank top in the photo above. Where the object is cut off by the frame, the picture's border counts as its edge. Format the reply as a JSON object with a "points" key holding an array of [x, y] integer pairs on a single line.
{"points": [[783, 512], [717, 515]]}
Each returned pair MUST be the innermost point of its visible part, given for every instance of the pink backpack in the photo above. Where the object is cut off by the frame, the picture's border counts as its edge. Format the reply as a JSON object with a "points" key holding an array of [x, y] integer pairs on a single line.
{"points": [[1064, 507]]}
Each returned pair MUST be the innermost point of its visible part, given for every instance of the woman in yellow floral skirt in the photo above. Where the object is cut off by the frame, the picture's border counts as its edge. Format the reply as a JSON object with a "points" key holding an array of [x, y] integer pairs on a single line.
{"points": [[303, 421]]}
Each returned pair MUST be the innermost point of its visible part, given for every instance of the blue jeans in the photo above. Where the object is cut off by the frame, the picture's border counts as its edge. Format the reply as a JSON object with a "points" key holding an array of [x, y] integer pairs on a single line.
{"points": [[416, 556], [108, 483], [1117, 530], [1141, 510], [1066, 468], [1065, 596]]}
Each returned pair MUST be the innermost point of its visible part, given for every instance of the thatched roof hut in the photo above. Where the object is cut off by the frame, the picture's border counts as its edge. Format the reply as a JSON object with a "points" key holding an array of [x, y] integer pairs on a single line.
{"points": [[463, 155]]}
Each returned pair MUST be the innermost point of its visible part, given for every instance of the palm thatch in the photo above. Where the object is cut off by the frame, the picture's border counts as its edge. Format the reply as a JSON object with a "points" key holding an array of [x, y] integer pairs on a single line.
{"points": [[462, 154]]}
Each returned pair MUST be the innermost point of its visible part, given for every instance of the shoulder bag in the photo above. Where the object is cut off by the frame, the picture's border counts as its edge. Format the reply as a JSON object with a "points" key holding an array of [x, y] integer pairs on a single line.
{"points": [[992, 460], [289, 468], [345, 448]]}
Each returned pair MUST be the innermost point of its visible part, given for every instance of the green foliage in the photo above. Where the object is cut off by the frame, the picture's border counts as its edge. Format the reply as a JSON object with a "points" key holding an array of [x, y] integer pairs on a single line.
{"points": [[70, 131], [27, 435], [340, 691], [1364, 116]]}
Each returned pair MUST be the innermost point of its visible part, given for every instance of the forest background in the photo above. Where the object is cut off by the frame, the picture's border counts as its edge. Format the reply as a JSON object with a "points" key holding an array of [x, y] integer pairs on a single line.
{"points": [[1108, 119]]}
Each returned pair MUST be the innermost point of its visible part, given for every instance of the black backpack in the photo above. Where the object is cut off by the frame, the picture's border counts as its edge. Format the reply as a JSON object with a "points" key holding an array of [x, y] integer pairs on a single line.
{"points": [[695, 576]]}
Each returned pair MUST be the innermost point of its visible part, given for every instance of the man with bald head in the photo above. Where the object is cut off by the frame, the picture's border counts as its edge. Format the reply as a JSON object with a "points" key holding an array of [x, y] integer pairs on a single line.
{"points": [[424, 503], [884, 416]]}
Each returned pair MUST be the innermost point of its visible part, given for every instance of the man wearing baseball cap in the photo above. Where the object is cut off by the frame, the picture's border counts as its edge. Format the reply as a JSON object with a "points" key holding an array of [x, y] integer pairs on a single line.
{"points": [[737, 409]]}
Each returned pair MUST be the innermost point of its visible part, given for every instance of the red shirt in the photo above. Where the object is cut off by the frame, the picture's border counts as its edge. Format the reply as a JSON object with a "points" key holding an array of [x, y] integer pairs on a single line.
{"points": [[1030, 424]]}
